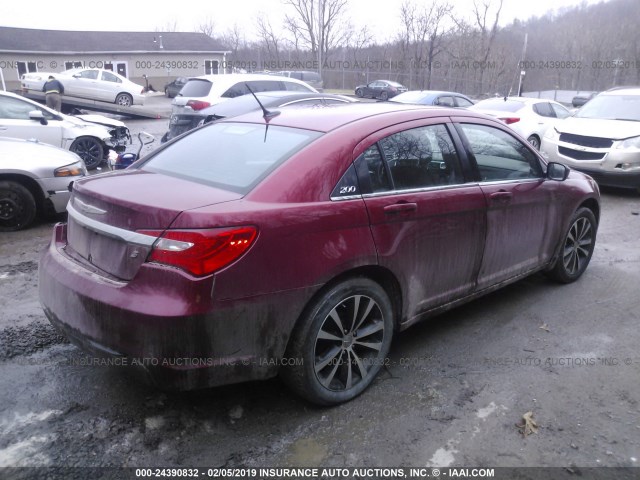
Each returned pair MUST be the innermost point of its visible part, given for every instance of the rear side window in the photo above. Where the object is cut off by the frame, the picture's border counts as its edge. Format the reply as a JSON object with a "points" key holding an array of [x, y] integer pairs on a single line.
{"points": [[196, 87], [421, 157], [243, 154], [544, 109]]}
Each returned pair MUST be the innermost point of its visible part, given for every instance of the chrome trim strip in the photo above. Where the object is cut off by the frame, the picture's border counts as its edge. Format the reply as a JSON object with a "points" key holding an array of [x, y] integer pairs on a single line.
{"points": [[346, 197], [420, 190], [110, 231]]}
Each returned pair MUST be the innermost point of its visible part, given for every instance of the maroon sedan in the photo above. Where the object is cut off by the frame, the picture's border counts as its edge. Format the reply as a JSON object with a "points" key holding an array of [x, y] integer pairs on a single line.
{"points": [[298, 242]]}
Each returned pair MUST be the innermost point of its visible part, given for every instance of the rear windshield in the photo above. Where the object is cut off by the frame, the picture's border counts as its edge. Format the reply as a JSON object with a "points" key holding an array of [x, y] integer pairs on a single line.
{"points": [[231, 156], [615, 107], [196, 87], [500, 104]]}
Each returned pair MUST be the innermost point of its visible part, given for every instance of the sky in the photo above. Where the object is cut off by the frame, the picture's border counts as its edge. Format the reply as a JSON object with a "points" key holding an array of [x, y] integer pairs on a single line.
{"points": [[187, 15]]}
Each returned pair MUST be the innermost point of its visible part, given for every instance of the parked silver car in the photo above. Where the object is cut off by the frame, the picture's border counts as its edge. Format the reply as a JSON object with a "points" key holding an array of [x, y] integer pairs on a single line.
{"points": [[90, 136], [34, 179], [92, 83], [602, 139]]}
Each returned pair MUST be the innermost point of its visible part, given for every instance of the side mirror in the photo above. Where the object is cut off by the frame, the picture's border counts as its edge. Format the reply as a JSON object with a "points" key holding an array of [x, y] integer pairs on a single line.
{"points": [[38, 115], [557, 171]]}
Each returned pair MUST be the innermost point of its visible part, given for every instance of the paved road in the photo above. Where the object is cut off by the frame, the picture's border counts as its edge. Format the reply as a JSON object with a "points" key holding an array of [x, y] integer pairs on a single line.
{"points": [[452, 394]]}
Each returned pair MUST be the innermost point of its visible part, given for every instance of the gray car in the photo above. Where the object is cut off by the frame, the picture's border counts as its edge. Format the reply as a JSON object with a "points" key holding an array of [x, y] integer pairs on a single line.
{"points": [[602, 139], [34, 179]]}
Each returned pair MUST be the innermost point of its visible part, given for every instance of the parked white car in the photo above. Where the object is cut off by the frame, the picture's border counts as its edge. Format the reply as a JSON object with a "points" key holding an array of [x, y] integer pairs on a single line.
{"points": [[34, 179], [90, 136], [91, 83], [530, 117], [206, 90]]}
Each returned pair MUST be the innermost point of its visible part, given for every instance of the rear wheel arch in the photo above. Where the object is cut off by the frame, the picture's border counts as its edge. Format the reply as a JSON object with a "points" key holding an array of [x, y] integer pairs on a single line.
{"points": [[375, 295], [380, 275]]}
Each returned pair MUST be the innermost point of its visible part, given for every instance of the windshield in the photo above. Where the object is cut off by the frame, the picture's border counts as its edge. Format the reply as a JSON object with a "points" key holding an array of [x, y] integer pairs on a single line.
{"points": [[231, 156], [612, 107]]}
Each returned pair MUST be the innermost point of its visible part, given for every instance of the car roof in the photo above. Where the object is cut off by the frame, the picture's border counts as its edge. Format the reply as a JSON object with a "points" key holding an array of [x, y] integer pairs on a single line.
{"points": [[330, 117], [622, 91], [269, 98], [232, 78]]}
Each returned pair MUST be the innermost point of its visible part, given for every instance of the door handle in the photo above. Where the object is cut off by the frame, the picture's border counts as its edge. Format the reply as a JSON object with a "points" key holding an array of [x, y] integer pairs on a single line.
{"points": [[501, 197], [400, 208]]}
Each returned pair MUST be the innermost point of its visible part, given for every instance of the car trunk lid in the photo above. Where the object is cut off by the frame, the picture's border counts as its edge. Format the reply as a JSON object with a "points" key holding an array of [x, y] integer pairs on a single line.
{"points": [[107, 212]]}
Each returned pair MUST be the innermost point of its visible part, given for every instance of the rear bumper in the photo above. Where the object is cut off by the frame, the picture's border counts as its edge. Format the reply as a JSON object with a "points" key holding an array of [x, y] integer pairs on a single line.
{"points": [[176, 332]]}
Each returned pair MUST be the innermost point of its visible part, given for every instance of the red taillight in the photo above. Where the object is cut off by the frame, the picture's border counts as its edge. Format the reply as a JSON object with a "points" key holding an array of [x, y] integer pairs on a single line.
{"points": [[200, 252], [198, 104], [510, 120]]}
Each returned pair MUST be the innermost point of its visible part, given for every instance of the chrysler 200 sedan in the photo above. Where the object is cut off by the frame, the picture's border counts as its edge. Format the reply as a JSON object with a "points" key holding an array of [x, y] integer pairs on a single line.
{"points": [[297, 242]]}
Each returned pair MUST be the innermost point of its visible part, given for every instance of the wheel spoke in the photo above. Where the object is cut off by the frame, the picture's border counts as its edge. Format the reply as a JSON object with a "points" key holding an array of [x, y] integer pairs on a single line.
{"points": [[329, 378], [336, 318], [372, 345], [364, 316], [328, 358], [322, 335], [361, 367], [349, 382], [371, 329]]}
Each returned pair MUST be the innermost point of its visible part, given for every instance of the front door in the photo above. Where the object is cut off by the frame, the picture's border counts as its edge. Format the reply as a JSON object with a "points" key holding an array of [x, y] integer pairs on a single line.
{"points": [[518, 198]]}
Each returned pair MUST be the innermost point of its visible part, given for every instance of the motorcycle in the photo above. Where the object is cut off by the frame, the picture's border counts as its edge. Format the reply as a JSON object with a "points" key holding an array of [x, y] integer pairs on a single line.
{"points": [[120, 161]]}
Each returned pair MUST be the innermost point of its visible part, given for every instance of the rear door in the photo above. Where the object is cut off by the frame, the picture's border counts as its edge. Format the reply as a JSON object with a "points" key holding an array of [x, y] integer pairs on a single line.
{"points": [[519, 202], [427, 221]]}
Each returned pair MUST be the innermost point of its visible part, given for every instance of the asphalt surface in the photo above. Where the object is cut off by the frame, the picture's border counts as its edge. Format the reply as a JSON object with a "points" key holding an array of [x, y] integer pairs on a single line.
{"points": [[452, 395]]}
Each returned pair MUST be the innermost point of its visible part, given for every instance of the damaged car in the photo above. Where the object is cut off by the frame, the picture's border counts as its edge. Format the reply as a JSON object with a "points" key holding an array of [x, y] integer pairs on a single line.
{"points": [[91, 137]]}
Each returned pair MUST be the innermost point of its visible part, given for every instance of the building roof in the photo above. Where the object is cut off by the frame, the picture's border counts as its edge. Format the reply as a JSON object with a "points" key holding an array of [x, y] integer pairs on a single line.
{"points": [[27, 40]]}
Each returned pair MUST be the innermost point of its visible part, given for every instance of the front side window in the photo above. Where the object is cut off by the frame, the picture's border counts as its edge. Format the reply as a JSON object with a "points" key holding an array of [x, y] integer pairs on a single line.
{"points": [[15, 109], [499, 155], [463, 102]]}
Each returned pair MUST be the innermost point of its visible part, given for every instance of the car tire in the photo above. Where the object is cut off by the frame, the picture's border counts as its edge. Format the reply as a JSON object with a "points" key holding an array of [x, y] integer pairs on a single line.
{"points": [[17, 206], [534, 141], [124, 100], [359, 93], [384, 96], [90, 150], [577, 247], [166, 93], [327, 364]]}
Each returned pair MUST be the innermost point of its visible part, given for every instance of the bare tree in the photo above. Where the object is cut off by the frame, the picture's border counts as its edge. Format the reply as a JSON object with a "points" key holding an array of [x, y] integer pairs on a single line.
{"points": [[318, 25], [168, 27], [208, 27], [270, 40], [481, 10]]}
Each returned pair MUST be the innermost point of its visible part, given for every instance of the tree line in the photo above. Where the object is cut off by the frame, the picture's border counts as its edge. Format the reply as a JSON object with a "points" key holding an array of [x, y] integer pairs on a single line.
{"points": [[438, 46]]}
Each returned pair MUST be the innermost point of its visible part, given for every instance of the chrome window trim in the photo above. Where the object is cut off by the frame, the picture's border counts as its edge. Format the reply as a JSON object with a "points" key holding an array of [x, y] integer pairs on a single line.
{"points": [[419, 190], [346, 197], [109, 230], [519, 180]]}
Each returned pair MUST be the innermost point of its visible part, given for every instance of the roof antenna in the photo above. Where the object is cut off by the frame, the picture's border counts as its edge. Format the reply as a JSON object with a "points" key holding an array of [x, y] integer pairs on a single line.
{"points": [[266, 114]]}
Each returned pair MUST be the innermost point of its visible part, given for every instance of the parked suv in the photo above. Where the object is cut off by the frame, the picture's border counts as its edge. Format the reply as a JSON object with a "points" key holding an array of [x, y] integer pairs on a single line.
{"points": [[206, 90], [601, 139], [312, 78]]}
